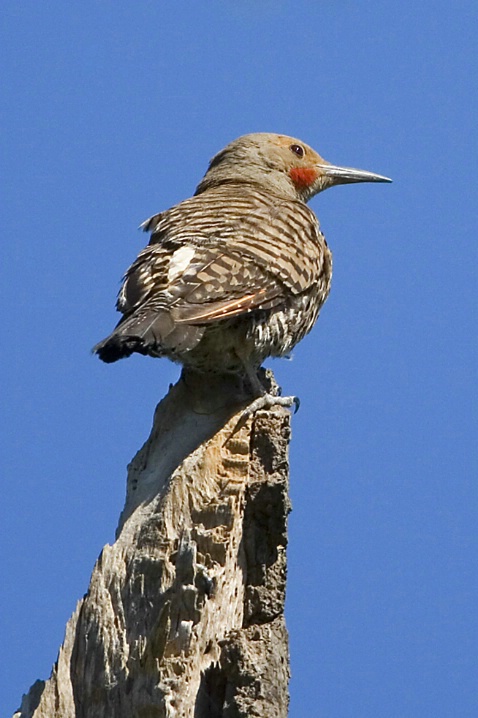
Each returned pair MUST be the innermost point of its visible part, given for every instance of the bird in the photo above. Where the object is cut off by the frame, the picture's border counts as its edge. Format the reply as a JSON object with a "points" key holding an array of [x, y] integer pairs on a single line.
{"points": [[239, 271]]}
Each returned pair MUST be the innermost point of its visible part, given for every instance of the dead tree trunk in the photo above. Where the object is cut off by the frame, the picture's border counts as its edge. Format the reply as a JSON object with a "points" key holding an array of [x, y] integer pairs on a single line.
{"points": [[184, 616]]}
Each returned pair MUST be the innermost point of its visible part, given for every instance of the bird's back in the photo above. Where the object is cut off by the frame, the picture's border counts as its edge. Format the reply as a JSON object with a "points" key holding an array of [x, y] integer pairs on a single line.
{"points": [[233, 274]]}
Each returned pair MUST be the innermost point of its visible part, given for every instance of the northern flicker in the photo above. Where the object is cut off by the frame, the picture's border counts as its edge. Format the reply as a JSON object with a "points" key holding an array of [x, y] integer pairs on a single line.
{"points": [[238, 272]]}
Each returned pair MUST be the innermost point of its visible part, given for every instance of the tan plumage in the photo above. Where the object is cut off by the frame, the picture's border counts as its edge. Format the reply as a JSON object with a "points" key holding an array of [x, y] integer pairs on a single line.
{"points": [[238, 272]]}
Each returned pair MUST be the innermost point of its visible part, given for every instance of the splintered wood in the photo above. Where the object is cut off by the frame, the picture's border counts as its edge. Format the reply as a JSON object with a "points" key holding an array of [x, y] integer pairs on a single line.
{"points": [[184, 614]]}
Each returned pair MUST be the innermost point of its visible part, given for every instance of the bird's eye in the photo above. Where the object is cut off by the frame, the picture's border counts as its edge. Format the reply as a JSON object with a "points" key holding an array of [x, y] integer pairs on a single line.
{"points": [[297, 150]]}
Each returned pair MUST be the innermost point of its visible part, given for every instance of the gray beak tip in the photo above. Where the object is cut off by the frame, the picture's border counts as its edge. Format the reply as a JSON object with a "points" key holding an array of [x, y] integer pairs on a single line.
{"points": [[345, 175]]}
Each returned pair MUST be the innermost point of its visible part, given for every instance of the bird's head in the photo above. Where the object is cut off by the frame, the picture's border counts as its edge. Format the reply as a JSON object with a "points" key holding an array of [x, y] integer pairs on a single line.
{"points": [[283, 165]]}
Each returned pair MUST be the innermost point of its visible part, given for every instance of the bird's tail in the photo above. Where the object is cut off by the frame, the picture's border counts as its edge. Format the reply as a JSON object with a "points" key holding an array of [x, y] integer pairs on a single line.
{"points": [[117, 347], [155, 334]]}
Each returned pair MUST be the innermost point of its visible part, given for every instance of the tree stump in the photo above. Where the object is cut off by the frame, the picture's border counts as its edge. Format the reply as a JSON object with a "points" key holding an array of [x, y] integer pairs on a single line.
{"points": [[184, 615]]}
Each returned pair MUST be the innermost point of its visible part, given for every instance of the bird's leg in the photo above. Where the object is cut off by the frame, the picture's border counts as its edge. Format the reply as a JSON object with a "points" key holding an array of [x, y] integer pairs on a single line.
{"points": [[264, 399]]}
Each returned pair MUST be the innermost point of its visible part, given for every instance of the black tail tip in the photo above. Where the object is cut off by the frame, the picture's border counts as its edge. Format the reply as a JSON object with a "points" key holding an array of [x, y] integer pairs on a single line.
{"points": [[110, 350], [117, 347]]}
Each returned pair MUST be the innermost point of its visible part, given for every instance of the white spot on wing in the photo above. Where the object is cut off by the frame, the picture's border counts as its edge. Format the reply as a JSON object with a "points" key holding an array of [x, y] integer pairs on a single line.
{"points": [[180, 259]]}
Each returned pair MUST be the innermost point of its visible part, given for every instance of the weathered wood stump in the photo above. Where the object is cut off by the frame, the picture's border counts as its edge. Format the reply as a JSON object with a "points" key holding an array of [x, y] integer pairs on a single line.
{"points": [[184, 615]]}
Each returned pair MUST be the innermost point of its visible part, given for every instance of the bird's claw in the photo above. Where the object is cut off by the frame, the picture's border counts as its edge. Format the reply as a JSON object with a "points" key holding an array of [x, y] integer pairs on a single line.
{"points": [[267, 401]]}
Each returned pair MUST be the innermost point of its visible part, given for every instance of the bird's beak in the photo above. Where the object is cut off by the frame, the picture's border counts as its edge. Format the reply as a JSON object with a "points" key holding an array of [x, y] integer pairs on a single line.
{"points": [[345, 175]]}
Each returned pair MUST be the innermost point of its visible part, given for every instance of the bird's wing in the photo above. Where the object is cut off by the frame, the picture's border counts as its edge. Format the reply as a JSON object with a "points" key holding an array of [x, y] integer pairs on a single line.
{"points": [[280, 235], [224, 254], [198, 285]]}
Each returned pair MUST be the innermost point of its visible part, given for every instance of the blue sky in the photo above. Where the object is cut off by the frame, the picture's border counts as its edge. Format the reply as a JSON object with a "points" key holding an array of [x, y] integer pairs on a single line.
{"points": [[110, 112]]}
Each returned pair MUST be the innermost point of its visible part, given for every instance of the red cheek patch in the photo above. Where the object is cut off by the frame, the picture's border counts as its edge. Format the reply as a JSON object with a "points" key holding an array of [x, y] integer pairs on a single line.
{"points": [[303, 176]]}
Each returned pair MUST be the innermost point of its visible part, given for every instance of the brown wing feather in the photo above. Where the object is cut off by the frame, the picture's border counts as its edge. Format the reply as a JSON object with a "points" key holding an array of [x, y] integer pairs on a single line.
{"points": [[250, 252], [218, 255], [215, 285], [214, 310]]}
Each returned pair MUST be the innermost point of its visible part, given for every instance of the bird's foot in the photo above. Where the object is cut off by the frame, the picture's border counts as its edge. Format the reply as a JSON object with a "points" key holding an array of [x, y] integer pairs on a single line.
{"points": [[264, 402], [268, 392], [267, 401], [267, 395]]}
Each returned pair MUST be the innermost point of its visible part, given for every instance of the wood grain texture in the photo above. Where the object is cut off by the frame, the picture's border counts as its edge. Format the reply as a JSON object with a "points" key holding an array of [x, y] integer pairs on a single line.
{"points": [[184, 615]]}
